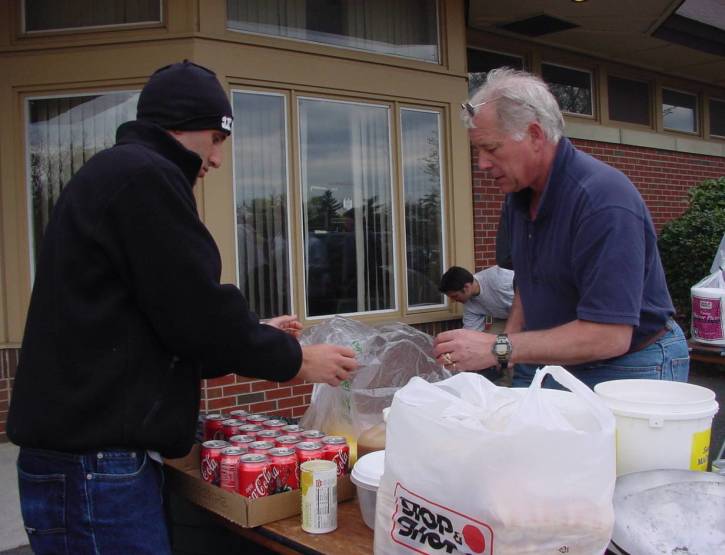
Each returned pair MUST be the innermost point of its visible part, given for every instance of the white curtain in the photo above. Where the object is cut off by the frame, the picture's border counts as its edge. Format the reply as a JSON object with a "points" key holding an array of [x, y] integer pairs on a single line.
{"points": [[260, 175], [63, 133]]}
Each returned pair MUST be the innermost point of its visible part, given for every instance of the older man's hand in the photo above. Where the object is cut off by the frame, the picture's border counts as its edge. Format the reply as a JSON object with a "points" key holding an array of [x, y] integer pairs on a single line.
{"points": [[464, 349]]}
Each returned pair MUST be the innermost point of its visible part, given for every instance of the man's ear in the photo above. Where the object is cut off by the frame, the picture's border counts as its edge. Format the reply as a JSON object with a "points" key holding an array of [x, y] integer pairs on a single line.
{"points": [[536, 132]]}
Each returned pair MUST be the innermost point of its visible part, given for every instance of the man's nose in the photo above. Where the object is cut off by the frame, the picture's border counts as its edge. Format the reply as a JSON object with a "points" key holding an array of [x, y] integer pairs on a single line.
{"points": [[483, 162], [215, 160]]}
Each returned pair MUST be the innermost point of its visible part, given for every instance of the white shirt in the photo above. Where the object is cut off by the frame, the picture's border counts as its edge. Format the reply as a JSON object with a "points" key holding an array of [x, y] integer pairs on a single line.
{"points": [[494, 299]]}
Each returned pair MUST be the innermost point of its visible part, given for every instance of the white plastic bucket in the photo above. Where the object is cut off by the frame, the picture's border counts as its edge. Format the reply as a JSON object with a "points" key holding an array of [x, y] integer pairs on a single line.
{"points": [[660, 424], [366, 476], [708, 320]]}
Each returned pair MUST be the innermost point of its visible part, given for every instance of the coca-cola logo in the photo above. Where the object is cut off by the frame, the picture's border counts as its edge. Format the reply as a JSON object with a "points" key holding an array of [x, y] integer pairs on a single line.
{"points": [[209, 468], [261, 485], [424, 527], [341, 459]]}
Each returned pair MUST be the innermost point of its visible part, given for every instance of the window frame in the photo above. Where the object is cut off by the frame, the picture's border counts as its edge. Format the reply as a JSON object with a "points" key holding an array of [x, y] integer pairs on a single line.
{"points": [[27, 98], [91, 28], [592, 88], [698, 132]]}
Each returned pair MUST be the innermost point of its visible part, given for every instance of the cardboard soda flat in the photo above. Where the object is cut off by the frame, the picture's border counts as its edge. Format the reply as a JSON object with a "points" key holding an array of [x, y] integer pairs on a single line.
{"points": [[184, 477]]}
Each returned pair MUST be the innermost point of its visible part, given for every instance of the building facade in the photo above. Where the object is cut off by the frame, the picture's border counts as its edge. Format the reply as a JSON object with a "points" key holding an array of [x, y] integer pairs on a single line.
{"points": [[349, 185]]}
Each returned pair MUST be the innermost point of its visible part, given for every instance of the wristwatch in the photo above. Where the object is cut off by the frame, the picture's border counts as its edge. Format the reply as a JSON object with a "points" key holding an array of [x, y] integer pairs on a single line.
{"points": [[501, 349]]}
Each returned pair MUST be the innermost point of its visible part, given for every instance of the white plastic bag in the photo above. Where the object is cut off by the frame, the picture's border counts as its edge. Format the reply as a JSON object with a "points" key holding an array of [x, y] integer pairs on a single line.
{"points": [[708, 303], [475, 468]]}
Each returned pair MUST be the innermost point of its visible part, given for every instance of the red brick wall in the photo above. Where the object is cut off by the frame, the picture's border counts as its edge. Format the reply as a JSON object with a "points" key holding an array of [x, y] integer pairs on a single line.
{"points": [[662, 177], [8, 363]]}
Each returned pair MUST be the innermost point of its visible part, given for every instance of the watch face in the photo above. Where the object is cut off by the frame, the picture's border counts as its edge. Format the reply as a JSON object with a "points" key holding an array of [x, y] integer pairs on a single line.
{"points": [[500, 348]]}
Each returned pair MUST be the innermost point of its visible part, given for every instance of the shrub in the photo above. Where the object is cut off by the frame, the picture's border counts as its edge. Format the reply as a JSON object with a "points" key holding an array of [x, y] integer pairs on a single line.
{"points": [[689, 243]]}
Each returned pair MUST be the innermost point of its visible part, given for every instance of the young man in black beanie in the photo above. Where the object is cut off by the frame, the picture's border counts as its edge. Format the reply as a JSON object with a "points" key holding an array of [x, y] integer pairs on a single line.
{"points": [[126, 317]]}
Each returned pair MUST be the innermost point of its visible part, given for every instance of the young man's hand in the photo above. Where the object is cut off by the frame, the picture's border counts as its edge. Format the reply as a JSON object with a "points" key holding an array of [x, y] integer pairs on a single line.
{"points": [[324, 363]]}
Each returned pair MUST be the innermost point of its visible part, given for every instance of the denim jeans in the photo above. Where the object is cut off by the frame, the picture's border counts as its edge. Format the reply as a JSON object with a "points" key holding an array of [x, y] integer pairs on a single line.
{"points": [[666, 359], [100, 503]]}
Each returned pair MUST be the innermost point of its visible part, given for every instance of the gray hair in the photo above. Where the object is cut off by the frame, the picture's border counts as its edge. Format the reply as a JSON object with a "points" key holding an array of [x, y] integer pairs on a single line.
{"points": [[521, 98]]}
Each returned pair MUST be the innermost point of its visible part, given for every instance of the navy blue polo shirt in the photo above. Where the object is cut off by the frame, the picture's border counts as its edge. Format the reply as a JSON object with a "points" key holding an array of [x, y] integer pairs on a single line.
{"points": [[591, 253]]}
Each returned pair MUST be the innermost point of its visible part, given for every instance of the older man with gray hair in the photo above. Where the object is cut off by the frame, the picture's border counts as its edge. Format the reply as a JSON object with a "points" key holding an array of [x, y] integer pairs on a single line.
{"points": [[590, 289]]}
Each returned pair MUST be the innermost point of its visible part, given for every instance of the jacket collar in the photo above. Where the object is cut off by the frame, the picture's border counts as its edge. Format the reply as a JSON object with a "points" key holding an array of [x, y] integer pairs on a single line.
{"points": [[158, 139]]}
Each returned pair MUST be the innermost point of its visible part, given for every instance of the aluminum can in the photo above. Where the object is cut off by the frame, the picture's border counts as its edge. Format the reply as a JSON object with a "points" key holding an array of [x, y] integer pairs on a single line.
{"points": [[242, 440], [229, 468], [209, 465], [292, 430], [287, 441], [231, 427], [318, 481], [250, 429], [274, 424], [285, 469], [312, 435], [239, 414], [261, 447], [257, 418], [338, 451], [309, 451], [254, 475], [214, 427], [268, 435]]}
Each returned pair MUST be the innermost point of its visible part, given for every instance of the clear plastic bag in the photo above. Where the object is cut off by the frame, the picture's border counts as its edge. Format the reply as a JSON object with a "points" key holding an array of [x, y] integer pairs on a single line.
{"points": [[388, 357]]}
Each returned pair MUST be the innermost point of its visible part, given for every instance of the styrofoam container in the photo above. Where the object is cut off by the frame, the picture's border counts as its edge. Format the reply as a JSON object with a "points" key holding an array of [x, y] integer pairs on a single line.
{"points": [[660, 424], [366, 476]]}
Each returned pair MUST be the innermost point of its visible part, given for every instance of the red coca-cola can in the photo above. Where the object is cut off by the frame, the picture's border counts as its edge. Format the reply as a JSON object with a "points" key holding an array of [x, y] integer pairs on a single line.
{"points": [[231, 427], [242, 440], [229, 468], [292, 430], [254, 475], [338, 451], [312, 435], [260, 447], [309, 451], [239, 414], [268, 435], [211, 454], [214, 426], [257, 418], [285, 469], [250, 429], [274, 424], [287, 441]]}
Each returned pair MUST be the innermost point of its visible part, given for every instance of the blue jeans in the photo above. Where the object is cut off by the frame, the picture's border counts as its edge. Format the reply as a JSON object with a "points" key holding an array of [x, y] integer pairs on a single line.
{"points": [[100, 503], [666, 359]]}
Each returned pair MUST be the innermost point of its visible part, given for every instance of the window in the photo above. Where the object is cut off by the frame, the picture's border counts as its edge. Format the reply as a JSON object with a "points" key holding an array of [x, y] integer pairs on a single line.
{"points": [[54, 15], [480, 62], [571, 87], [63, 133], [679, 111], [406, 28], [629, 100], [717, 117], [348, 249]]}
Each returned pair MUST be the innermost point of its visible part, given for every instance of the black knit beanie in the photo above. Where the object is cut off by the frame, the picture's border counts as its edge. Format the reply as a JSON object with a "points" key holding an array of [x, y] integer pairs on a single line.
{"points": [[184, 97]]}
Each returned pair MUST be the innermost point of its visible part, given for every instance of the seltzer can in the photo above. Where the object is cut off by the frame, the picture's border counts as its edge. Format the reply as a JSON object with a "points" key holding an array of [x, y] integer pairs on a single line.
{"points": [[318, 482], [309, 451], [209, 465], [285, 469], [292, 430], [231, 427], [287, 441], [261, 447], [274, 424], [229, 468], [338, 451], [254, 475], [214, 426], [242, 440], [312, 435], [268, 435]]}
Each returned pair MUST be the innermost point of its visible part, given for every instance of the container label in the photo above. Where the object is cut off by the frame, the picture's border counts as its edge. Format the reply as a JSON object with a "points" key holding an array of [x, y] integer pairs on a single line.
{"points": [[423, 526], [700, 450], [706, 318]]}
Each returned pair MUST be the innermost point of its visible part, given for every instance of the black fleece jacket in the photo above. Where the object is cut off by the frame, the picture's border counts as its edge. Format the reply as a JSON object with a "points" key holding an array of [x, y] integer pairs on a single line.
{"points": [[127, 312]]}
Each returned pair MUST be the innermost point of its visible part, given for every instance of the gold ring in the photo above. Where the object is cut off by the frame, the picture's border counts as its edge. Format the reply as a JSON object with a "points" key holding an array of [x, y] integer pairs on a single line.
{"points": [[447, 359]]}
